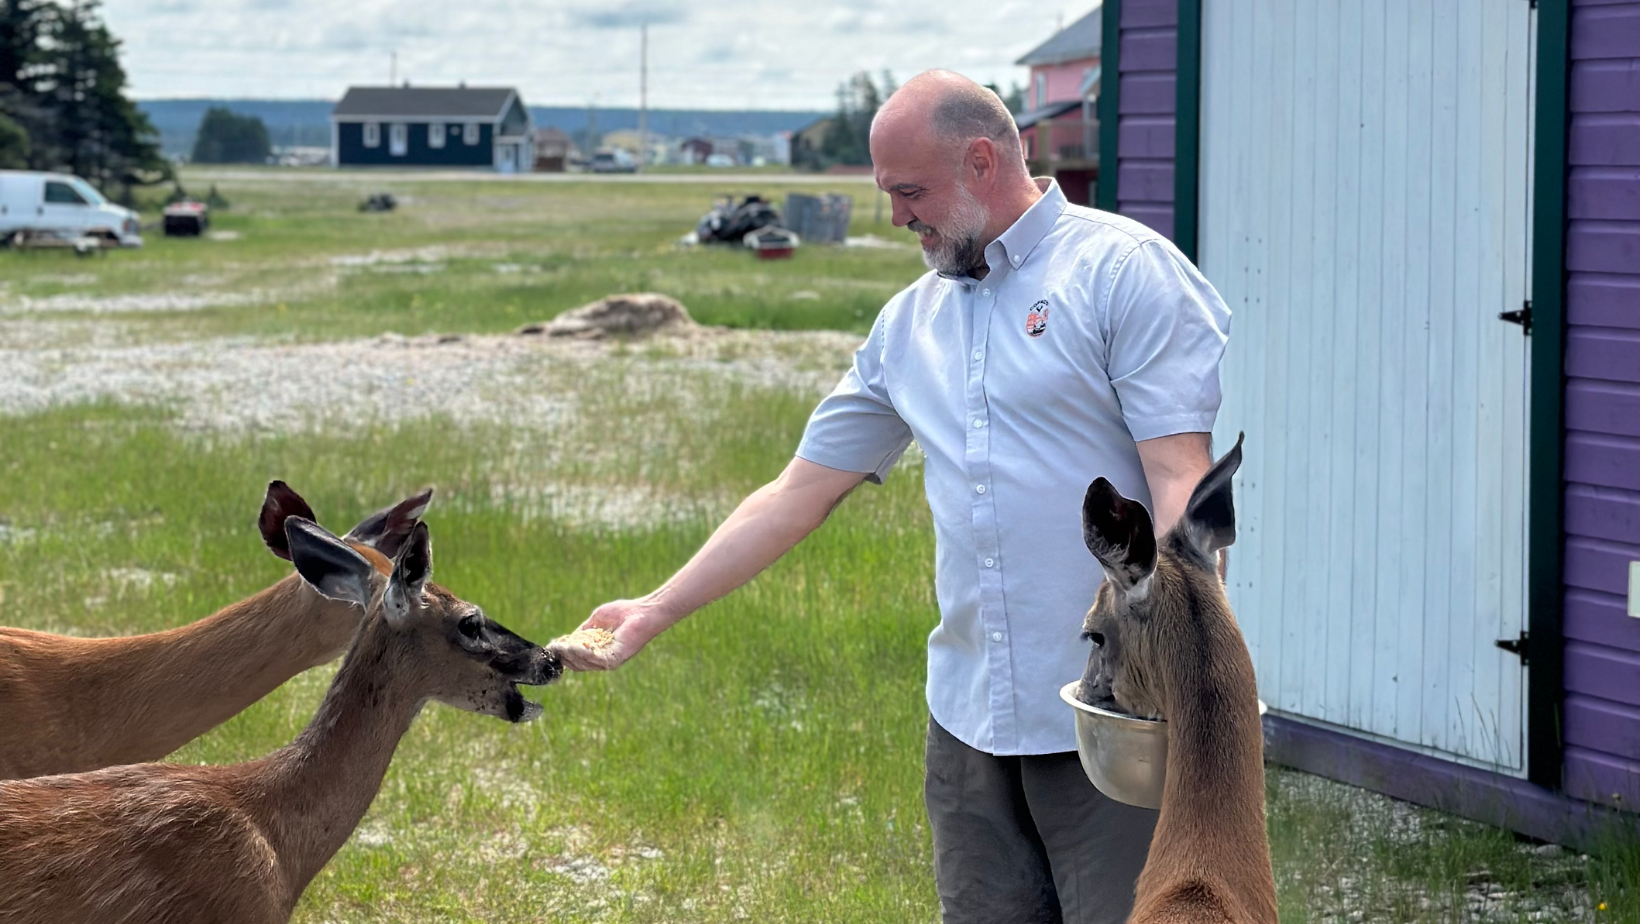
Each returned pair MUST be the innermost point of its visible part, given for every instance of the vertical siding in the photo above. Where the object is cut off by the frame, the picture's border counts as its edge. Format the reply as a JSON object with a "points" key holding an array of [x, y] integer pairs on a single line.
{"points": [[1364, 193], [1147, 101], [1602, 462]]}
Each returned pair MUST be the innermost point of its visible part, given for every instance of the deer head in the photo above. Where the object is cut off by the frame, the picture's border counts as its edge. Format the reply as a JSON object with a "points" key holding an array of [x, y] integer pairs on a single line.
{"points": [[441, 647], [1149, 610]]}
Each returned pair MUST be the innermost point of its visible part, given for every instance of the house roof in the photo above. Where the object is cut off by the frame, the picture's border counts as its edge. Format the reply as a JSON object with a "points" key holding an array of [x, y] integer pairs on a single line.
{"points": [[1050, 111], [1078, 40], [424, 102]]}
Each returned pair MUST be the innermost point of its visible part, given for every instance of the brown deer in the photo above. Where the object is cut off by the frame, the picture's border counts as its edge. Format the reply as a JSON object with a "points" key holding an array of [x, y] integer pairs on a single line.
{"points": [[157, 843], [73, 704], [1166, 644]]}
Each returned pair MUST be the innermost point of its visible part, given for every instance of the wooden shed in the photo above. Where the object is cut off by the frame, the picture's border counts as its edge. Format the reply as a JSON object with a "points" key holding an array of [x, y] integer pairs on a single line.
{"points": [[1426, 218]]}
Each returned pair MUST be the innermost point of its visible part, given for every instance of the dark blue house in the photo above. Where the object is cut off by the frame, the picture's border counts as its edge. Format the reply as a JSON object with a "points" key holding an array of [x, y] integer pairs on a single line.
{"points": [[480, 127]]}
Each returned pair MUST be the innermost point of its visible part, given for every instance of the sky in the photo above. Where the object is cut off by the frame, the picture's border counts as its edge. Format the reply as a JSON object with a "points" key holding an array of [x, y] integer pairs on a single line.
{"points": [[722, 54]]}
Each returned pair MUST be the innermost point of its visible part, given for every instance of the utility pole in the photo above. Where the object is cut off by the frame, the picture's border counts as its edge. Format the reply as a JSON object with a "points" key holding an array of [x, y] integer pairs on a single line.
{"points": [[643, 95]]}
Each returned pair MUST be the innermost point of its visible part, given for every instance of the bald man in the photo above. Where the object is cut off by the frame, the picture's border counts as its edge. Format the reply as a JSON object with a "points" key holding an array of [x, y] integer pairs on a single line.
{"points": [[1050, 344]]}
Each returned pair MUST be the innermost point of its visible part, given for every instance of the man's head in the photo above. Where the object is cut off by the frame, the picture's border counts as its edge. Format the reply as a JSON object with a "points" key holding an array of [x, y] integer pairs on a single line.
{"points": [[947, 152]]}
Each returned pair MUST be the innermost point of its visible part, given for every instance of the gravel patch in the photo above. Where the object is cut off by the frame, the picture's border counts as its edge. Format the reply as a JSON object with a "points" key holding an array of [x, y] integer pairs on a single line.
{"points": [[242, 385]]}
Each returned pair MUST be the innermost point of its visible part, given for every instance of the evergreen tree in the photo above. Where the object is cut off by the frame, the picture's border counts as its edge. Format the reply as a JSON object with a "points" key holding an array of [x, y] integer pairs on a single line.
{"points": [[225, 138], [13, 145], [62, 84]]}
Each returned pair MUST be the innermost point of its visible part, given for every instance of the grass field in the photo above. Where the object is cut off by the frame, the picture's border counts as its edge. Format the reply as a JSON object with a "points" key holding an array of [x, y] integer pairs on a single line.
{"points": [[760, 762]]}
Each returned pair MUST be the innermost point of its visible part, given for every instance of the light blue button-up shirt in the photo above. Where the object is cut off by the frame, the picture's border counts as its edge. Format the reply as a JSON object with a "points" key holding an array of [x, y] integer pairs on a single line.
{"points": [[1088, 333]]}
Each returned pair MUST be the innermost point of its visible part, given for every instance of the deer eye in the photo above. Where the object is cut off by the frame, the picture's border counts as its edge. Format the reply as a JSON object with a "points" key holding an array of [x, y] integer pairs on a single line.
{"points": [[1097, 638], [470, 625]]}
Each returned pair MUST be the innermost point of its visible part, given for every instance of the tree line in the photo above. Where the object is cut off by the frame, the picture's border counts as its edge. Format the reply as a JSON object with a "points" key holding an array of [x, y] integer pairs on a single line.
{"points": [[844, 138], [63, 102]]}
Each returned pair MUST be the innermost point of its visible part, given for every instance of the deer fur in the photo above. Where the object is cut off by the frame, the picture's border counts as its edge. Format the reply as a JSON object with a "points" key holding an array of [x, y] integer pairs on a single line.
{"points": [[1166, 644], [160, 843], [75, 704]]}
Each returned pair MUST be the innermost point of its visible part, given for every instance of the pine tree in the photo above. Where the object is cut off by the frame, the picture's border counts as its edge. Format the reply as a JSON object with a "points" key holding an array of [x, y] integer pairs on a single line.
{"points": [[225, 138]]}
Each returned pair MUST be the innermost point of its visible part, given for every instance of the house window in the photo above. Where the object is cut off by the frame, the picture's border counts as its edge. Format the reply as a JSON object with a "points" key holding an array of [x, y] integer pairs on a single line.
{"points": [[469, 133], [398, 141], [372, 135], [1041, 90], [435, 135]]}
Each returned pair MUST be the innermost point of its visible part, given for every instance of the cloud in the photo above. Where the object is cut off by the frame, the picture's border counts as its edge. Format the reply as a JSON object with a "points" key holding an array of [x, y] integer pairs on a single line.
{"points": [[629, 15]]}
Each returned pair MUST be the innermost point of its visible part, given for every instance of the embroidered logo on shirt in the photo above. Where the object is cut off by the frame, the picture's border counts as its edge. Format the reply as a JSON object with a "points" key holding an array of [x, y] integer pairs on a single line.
{"points": [[1037, 320]]}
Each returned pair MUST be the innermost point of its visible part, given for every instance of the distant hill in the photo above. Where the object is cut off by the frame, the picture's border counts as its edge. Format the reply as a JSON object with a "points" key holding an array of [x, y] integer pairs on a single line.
{"points": [[307, 122]]}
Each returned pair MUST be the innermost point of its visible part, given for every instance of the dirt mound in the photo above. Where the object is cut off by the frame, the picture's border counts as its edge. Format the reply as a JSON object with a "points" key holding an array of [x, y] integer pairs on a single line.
{"points": [[633, 315]]}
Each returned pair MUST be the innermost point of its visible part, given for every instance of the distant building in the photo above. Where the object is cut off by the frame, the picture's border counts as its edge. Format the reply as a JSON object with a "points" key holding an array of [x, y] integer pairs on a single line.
{"points": [[481, 127], [805, 144], [554, 149], [1060, 127], [696, 150]]}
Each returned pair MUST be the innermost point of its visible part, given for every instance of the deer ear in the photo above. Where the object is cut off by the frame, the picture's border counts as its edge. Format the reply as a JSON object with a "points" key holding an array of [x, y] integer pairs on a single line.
{"points": [[387, 529], [1209, 521], [280, 504], [1119, 533], [327, 563], [411, 569]]}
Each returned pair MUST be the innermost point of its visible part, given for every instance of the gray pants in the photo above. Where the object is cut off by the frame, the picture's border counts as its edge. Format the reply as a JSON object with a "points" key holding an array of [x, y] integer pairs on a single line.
{"points": [[1028, 839]]}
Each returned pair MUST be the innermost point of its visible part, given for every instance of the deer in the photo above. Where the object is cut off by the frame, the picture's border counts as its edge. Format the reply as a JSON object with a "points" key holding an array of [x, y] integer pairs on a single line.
{"points": [[240, 843], [1166, 644], [75, 704]]}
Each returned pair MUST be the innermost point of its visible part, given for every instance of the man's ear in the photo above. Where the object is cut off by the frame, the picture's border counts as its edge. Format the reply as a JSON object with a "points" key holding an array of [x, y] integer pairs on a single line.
{"points": [[327, 563], [1119, 533], [1209, 521], [411, 569]]}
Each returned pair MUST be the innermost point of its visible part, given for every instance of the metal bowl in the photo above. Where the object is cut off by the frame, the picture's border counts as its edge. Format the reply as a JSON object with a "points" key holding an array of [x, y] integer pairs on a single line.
{"points": [[1124, 756]]}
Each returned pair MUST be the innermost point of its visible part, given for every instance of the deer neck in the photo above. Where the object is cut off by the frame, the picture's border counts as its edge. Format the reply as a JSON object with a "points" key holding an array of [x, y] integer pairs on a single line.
{"points": [[167, 688], [320, 787]]}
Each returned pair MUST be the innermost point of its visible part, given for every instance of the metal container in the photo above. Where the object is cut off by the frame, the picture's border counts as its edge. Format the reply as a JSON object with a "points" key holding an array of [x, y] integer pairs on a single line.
{"points": [[1125, 757]]}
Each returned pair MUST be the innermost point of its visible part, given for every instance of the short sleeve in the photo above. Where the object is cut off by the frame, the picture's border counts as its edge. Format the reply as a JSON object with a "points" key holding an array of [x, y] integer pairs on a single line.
{"points": [[1166, 329], [855, 428]]}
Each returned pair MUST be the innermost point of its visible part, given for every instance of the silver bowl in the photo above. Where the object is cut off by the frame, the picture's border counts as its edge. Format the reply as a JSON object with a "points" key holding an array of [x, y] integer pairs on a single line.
{"points": [[1125, 757]]}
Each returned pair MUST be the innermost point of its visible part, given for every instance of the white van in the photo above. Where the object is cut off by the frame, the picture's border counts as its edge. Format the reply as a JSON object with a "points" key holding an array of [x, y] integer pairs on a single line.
{"points": [[60, 203]]}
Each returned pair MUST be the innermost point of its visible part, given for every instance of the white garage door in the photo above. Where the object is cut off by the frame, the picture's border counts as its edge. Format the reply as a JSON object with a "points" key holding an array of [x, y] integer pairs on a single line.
{"points": [[1364, 210]]}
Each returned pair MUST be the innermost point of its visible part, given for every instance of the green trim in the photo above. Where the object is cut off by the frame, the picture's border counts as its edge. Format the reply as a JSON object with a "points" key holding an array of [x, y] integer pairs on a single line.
{"points": [[1110, 85], [1544, 524], [1187, 129]]}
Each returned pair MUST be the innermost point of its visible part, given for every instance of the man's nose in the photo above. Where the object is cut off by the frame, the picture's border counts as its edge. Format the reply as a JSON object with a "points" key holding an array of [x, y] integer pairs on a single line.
{"points": [[900, 213]]}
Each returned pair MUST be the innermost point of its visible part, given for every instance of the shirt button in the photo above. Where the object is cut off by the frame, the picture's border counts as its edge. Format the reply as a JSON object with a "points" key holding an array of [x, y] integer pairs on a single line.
{"points": [[1017, 258], [979, 355], [978, 424], [996, 636], [979, 489], [985, 292], [989, 562]]}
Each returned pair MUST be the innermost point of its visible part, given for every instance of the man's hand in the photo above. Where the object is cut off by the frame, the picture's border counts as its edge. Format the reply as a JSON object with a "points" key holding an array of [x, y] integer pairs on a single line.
{"points": [[632, 622]]}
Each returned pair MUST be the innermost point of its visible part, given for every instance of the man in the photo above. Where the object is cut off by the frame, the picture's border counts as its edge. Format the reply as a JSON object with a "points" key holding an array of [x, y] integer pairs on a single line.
{"points": [[1051, 344]]}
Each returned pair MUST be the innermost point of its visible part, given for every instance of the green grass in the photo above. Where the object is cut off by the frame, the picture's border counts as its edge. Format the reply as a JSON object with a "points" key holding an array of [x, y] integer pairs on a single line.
{"points": [[471, 257], [762, 761]]}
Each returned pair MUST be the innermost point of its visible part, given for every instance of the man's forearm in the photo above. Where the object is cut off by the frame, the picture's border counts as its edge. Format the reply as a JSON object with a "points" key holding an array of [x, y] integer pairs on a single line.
{"points": [[766, 525]]}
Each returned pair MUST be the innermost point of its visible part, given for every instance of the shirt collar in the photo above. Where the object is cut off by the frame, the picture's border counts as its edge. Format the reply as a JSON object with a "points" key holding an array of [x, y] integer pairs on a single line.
{"points": [[1013, 247]]}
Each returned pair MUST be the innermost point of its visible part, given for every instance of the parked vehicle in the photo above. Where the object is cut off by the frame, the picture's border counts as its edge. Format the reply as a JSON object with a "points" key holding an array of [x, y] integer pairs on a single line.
{"points": [[188, 218], [63, 205], [614, 161]]}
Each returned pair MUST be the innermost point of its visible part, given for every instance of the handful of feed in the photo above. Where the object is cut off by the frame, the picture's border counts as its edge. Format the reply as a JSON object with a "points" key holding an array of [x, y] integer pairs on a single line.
{"points": [[590, 639]]}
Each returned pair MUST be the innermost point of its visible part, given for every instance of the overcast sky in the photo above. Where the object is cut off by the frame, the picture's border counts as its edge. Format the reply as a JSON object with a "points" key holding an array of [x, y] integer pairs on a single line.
{"points": [[707, 54]]}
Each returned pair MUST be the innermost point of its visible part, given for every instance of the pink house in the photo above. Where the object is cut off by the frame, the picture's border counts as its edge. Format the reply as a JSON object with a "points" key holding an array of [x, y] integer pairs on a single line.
{"points": [[1060, 127]]}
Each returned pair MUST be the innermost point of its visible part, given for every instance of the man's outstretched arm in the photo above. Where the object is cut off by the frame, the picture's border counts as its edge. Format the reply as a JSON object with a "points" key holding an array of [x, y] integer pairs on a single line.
{"points": [[765, 526]]}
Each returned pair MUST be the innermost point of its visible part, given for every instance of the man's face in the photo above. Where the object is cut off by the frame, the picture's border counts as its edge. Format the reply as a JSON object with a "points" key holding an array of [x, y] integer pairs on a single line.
{"points": [[925, 183]]}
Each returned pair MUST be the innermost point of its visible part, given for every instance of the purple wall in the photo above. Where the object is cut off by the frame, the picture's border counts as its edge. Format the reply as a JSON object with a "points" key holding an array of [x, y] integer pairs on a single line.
{"points": [[1602, 466], [1146, 103]]}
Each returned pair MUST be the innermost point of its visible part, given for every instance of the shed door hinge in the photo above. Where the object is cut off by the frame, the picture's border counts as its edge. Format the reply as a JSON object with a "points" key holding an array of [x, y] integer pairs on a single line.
{"points": [[1515, 646], [1521, 316]]}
